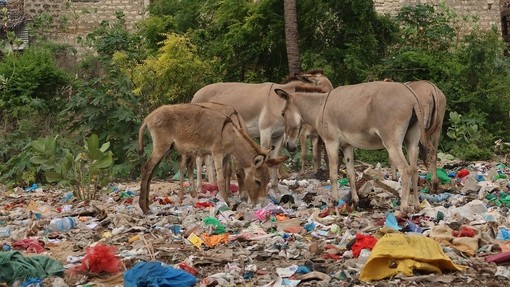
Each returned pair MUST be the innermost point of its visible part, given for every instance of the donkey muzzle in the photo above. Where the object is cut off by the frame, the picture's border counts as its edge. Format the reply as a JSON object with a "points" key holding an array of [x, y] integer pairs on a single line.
{"points": [[290, 145]]}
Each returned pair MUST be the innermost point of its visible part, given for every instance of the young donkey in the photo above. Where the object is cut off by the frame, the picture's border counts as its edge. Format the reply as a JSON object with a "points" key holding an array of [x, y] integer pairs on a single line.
{"points": [[196, 130], [369, 116]]}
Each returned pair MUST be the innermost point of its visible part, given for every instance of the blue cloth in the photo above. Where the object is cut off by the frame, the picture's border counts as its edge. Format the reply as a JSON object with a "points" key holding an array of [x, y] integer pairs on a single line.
{"points": [[391, 222], [155, 274], [32, 282]]}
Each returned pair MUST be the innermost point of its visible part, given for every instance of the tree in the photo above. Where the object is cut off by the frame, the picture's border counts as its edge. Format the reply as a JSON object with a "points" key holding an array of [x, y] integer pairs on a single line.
{"points": [[291, 36]]}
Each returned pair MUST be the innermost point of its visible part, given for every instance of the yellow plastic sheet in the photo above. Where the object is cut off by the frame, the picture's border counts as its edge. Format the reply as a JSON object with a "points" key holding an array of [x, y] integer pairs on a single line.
{"points": [[399, 253]]}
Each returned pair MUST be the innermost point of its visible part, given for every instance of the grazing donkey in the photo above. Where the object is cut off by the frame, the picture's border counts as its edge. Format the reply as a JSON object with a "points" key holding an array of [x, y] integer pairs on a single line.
{"points": [[260, 110], [197, 130], [370, 116]]}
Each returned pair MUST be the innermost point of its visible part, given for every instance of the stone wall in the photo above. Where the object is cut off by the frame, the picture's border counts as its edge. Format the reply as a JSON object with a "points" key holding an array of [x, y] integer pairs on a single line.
{"points": [[83, 16], [488, 15]]}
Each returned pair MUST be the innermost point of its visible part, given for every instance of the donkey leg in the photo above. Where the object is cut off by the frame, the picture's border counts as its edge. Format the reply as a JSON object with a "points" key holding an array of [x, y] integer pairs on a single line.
{"points": [[351, 173], [209, 168], [227, 163], [398, 159], [198, 163], [147, 171], [191, 178], [302, 145], [332, 149], [316, 152], [412, 141], [433, 161], [218, 164], [393, 172], [265, 143], [182, 166]]}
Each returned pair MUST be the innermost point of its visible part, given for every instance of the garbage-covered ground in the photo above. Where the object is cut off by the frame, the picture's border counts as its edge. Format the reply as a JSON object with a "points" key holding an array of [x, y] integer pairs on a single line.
{"points": [[460, 236]]}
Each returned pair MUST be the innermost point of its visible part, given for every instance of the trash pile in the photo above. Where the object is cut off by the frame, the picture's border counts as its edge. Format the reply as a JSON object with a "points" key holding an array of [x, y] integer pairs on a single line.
{"points": [[293, 238]]}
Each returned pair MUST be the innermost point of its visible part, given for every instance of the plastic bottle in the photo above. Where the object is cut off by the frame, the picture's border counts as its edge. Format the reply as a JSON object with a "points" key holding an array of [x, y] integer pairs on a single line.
{"points": [[62, 224]]}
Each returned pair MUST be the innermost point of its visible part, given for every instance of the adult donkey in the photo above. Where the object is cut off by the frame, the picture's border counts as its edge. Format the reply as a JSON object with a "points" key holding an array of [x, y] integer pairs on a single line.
{"points": [[259, 108], [370, 116], [196, 130]]}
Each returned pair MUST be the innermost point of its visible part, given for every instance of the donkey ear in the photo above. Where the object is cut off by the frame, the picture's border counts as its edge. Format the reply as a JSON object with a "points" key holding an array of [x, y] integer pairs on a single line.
{"points": [[258, 160], [282, 94], [276, 161]]}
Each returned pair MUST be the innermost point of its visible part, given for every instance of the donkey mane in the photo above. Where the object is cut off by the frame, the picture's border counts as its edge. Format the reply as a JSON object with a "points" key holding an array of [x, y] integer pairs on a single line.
{"points": [[308, 89], [291, 78]]}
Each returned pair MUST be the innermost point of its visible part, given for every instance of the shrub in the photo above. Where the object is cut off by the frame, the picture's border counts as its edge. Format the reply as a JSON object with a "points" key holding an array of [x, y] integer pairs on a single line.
{"points": [[86, 170]]}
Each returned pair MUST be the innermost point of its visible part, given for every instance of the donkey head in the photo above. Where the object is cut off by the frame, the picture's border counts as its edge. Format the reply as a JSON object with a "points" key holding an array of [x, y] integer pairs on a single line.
{"points": [[255, 178], [292, 120]]}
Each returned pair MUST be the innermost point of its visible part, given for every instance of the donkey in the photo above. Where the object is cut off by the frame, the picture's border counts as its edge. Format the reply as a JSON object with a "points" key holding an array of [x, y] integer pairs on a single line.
{"points": [[370, 116], [433, 102], [259, 109], [196, 130]]}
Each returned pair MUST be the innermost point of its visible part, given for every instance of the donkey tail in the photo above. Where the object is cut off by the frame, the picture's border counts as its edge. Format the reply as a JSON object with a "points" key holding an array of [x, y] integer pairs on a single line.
{"points": [[435, 124], [140, 138], [426, 145]]}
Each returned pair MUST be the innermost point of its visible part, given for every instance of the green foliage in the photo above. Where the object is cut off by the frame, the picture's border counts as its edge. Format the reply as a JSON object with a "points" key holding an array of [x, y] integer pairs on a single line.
{"points": [[109, 38], [86, 170], [172, 76], [247, 38], [31, 80], [372, 156], [468, 66], [471, 143], [32, 88], [346, 38], [106, 106], [462, 130]]}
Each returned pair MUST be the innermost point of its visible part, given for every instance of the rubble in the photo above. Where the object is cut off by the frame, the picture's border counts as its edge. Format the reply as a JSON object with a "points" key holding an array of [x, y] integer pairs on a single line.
{"points": [[292, 238]]}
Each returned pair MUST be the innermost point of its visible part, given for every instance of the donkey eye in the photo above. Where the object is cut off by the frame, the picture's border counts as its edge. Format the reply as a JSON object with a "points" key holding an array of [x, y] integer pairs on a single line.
{"points": [[258, 182], [283, 114]]}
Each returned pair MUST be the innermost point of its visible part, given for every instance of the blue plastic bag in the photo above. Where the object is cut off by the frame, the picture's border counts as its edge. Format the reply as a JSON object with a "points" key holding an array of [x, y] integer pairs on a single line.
{"points": [[155, 274]]}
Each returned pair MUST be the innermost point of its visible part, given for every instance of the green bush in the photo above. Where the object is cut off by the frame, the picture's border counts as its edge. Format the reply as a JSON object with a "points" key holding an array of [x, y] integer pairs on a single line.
{"points": [[32, 88]]}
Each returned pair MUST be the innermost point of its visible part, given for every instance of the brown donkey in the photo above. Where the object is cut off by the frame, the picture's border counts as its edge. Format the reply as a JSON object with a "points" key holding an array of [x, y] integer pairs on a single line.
{"points": [[369, 116], [259, 108], [197, 130]]}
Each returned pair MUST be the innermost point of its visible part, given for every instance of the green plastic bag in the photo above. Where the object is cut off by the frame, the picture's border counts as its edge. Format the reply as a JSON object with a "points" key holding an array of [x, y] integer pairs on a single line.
{"points": [[343, 182], [442, 175], [218, 227]]}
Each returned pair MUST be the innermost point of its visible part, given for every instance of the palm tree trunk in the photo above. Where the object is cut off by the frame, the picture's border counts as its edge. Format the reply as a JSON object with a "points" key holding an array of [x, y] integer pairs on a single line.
{"points": [[291, 36]]}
